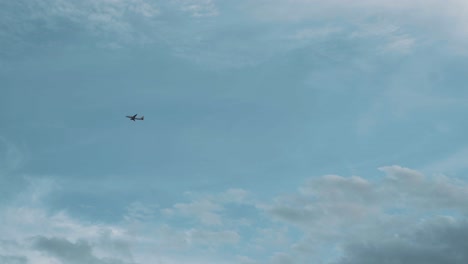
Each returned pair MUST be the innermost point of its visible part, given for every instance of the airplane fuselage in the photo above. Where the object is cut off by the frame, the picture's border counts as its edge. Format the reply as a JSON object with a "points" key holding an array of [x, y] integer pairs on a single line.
{"points": [[134, 117]]}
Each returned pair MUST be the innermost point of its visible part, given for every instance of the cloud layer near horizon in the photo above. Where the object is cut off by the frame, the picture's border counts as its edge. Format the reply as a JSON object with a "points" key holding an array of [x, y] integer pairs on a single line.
{"points": [[404, 217]]}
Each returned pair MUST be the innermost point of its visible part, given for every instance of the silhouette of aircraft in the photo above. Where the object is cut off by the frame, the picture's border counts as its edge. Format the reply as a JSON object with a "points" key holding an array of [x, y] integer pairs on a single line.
{"points": [[134, 117]]}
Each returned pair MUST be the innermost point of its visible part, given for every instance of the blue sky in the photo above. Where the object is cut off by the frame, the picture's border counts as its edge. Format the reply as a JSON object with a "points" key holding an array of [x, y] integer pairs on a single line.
{"points": [[275, 131]]}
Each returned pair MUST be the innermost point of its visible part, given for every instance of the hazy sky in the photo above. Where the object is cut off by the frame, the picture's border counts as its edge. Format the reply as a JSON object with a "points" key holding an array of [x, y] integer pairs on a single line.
{"points": [[275, 132]]}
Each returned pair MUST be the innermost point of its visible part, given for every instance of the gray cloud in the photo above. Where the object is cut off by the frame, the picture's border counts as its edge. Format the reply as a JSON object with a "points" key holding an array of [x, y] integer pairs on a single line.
{"points": [[282, 258], [337, 200], [441, 241], [204, 237], [69, 252], [403, 217], [13, 260]]}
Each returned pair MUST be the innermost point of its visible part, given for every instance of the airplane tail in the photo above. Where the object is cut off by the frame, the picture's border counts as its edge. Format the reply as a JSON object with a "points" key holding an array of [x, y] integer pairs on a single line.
{"points": [[142, 117]]}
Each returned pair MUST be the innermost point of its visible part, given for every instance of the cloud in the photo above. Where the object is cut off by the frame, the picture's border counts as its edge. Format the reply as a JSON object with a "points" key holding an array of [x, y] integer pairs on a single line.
{"points": [[441, 240], [28, 224], [204, 237], [400, 44], [402, 216], [307, 9], [140, 212], [54, 235], [402, 26], [282, 258], [39, 27], [34, 26], [185, 26], [69, 252], [198, 8], [204, 210], [13, 260], [336, 200], [203, 31], [207, 209], [30, 231], [335, 211]]}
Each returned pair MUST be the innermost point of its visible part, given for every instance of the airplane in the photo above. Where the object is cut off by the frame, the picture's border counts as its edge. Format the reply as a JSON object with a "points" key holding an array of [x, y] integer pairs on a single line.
{"points": [[134, 117]]}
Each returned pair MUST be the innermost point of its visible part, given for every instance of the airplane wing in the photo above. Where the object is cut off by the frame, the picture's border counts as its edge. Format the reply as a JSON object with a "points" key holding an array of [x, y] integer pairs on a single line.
{"points": [[134, 116]]}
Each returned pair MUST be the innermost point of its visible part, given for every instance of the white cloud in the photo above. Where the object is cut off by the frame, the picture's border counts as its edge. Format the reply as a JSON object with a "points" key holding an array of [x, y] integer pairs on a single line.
{"points": [[207, 209], [398, 173], [234, 195], [198, 8], [144, 8], [140, 212]]}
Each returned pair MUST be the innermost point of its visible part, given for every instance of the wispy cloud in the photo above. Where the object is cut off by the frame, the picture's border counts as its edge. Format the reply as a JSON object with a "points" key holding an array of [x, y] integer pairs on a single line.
{"points": [[206, 211], [59, 18], [198, 8], [400, 44], [198, 31]]}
